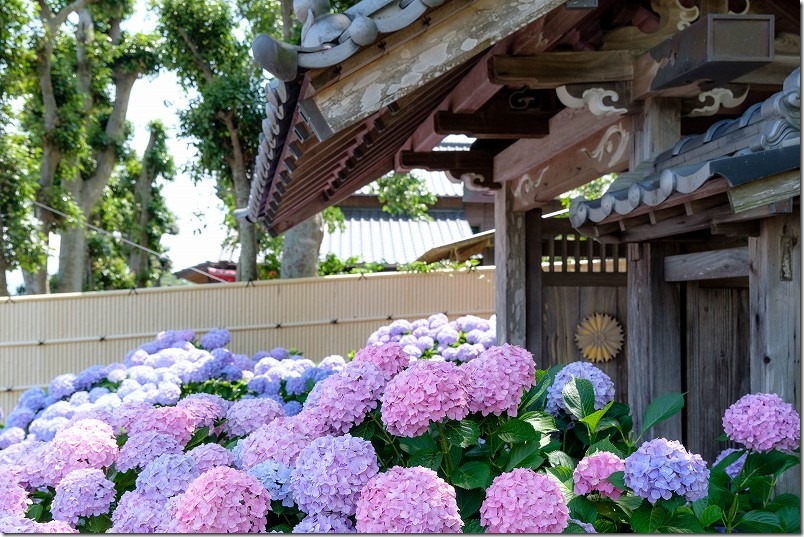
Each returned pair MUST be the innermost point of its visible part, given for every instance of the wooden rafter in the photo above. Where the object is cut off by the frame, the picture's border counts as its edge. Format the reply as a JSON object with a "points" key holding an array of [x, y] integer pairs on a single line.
{"points": [[511, 125]]}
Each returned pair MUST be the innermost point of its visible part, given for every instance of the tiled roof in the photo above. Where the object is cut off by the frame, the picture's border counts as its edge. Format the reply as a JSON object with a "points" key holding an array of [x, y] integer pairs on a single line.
{"points": [[759, 143], [376, 236], [436, 182]]}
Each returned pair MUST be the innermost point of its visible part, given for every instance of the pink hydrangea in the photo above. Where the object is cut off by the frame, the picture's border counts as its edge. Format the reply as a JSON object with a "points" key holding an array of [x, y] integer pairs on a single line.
{"points": [[205, 408], [281, 441], [389, 357], [13, 497], [330, 473], [86, 444], [247, 415], [28, 460], [208, 456], [342, 400], [497, 379], [222, 500], [82, 493], [522, 501], [592, 474], [170, 420], [137, 514], [762, 422], [14, 523], [54, 526], [125, 416], [423, 393], [144, 447], [408, 500]]}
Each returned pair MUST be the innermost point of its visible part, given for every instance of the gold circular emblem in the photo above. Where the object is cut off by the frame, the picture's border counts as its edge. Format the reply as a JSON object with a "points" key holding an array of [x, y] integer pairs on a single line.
{"points": [[599, 337]]}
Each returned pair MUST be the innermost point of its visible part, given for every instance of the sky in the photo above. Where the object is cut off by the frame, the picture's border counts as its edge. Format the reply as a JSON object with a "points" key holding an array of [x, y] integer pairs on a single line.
{"points": [[199, 212]]}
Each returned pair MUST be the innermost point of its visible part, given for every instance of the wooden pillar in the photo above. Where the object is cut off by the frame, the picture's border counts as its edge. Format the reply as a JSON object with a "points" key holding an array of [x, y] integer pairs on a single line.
{"points": [[534, 308], [509, 257], [654, 335], [658, 128], [774, 281]]}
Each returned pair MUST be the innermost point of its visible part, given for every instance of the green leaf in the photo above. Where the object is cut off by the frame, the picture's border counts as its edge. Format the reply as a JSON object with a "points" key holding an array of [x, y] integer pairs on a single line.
{"points": [[559, 458], [583, 509], [785, 500], [562, 473], [710, 515], [472, 475], [469, 501], [463, 433], [572, 527], [473, 526], [649, 519], [673, 503], [418, 443], [198, 437], [366, 430], [516, 432], [790, 518], [594, 418], [770, 463], [727, 461], [618, 480], [98, 524], [682, 522], [280, 528], [429, 458], [34, 511], [542, 422], [525, 455], [662, 408], [760, 522], [629, 503], [579, 397], [605, 526], [759, 488], [604, 445]]}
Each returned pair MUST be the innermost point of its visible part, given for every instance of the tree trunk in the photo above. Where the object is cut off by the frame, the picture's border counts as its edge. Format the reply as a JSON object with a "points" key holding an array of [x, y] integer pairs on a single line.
{"points": [[247, 264], [143, 195], [36, 283], [3, 281], [286, 8], [300, 250]]}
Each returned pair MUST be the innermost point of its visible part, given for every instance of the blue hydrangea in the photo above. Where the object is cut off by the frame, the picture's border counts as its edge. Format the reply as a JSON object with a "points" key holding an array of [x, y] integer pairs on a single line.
{"points": [[265, 364], [96, 393], [436, 320], [166, 357], [90, 376], [447, 335], [204, 369], [115, 372], [62, 386], [224, 356], [11, 435], [44, 429], [61, 409], [421, 331], [243, 362], [166, 476], [488, 340], [400, 327], [33, 399], [167, 393], [333, 362], [734, 468], [661, 468], [232, 373], [424, 342], [143, 374], [450, 354], [412, 351], [275, 477], [468, 351], [602, 384], [471, 322], [280, 353], [215, 339], [109, 401], [408, 339], [128, 386], [301, 384], [292, 408], [79, 398], [325, 523], [261, 384]]}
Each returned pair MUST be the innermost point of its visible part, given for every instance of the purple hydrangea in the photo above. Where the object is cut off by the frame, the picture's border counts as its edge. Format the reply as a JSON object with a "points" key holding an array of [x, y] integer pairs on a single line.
{"points": [[762, 422], [33, 399], [275, 478], [291, 408], [263, 365], [412, 352], [436, 320], [330, 473], [523, 501], [174, 421], [144, 447], [325, 523], [424, 393], [469, 323], [342, 401], [205, 408], [167, 475], [20, 417], [602, 384], [89, 376], [11, 435], [247, 415], [13, 497], [734, 468], [84, 444], [62, 386], [497, 379], [661, 468], [280, 441], [399, 327], [215, 339], [592, 474], [82, 493], [389, 357], [446, 335], [143, 374], [280, 353], [208, 456], [333, 362], [168, 393], [137, 514], [408, 500], [45, 429]]}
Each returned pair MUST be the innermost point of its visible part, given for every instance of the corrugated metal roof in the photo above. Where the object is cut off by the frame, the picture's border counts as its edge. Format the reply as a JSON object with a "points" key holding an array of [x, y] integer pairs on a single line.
{"points": [[375, 236], [436, 182]]}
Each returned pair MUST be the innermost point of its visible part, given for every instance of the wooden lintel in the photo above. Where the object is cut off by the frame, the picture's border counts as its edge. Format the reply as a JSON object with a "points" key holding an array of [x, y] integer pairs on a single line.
{"points": [[718, 48], [728, 263], [456, 162], [553, 69], [738, 229], [497, 126], [771, 189]]}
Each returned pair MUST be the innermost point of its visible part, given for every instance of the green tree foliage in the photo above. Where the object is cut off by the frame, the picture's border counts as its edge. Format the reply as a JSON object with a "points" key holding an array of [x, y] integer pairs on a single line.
{"points": [[404, 194], [591, 190]]}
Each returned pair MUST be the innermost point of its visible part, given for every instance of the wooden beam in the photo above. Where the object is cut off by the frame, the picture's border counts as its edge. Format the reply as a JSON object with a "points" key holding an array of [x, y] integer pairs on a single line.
{"points": [[497, 125], [654, 334], [771, 189], [728, 263], [427, 56], [553, 69], [466, 161], [534, 318], [510, 240]]}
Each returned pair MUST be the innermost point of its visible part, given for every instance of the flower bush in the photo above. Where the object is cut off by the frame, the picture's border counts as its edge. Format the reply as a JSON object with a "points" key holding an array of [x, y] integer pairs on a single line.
{"points": [[431, 427]]}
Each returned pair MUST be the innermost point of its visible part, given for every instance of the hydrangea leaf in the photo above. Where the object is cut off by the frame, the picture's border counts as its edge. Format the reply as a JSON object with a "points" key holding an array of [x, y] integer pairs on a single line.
{"points": [[463, 433], [673, 503], [473, 526], [517, 431], [469, 502], [662, 408], [682, 521], [35, 511], [627, 503], [710, 515], [198, 437], [583, 509], [472, 475], [542, 422], [418, 443], [648, 519], [727, 461], [572, 527], [579, 397], [790, 518], [604, 445], [527, 455], [594, 419], [559, 458], [770, 463], [98, 524], [759, 522], [428, 458]]}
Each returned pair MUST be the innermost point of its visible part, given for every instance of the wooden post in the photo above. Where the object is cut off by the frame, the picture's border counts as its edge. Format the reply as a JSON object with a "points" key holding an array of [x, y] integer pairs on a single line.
{"points": [[534, 311], [654, 335], [774, 283], [509, 257]]}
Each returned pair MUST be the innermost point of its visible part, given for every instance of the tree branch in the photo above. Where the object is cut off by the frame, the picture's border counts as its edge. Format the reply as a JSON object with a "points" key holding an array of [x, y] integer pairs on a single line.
{"points": [[204, 67], [62, 15]]}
